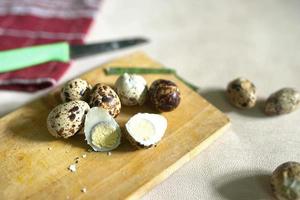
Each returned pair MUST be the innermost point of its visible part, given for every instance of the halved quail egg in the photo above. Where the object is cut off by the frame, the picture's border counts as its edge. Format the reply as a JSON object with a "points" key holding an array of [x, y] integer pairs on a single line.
{"points": [[145, 130], [101, 130]]}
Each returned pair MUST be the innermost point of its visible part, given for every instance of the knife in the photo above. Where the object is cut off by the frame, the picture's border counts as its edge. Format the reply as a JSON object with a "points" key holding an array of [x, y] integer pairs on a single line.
{"points": [[20, 58]]}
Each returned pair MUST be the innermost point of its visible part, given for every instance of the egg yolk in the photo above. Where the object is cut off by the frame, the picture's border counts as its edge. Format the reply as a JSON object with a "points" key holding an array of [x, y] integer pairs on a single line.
{"points": [[104, 136]]}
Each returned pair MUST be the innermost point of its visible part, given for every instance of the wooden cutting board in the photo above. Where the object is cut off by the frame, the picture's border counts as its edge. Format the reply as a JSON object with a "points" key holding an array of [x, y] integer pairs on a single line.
{"points": [[34, 164]]}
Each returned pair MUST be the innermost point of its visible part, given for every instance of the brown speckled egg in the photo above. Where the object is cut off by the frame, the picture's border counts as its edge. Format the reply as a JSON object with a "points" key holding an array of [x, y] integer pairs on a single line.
{"points": [[76, 89], [285, 181], [67, 119], [104, 96], [283, 101], [164, 95], [242, 93]]}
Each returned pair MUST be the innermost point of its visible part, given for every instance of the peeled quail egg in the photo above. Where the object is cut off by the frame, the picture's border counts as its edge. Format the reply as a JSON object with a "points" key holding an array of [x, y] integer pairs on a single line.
{"points": [[164, 95], [101, 130], [65, 120], [132, 89], [105, 97], [145, 130], [76, 89]]}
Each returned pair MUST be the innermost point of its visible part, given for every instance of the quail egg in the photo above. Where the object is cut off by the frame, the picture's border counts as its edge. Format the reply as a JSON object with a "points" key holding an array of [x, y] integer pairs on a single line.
{"points": [[105, 97], [285, 181], [242, 93], [132, 89], [283, 101], [145, 130], [164, 95], [101, 130], [76, 89], [67, 119]]}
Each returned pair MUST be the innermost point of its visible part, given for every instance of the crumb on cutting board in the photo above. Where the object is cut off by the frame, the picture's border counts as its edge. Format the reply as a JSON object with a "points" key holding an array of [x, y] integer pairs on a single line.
{"points": [[76, 159], [72, 168]]}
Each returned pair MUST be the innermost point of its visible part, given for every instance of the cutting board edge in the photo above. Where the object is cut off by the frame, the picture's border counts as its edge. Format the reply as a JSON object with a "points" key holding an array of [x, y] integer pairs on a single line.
{"points": [[178, 164]]}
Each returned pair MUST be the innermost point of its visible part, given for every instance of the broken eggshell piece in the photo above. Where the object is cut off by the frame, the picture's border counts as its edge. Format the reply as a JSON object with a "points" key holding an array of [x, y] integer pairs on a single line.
{"points": [[101, 130], [145, 130]]}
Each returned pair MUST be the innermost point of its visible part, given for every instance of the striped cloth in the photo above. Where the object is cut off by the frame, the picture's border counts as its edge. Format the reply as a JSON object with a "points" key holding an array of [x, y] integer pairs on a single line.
{"points": [[31, 22]]}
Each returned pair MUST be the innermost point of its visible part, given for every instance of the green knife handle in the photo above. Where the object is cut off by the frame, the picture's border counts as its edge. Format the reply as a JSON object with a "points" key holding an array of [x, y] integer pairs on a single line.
{"points": [[25, 57]]}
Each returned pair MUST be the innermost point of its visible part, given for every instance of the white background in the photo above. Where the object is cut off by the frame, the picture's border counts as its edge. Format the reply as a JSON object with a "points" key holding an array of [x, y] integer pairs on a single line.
{"points": [[211, 43]]}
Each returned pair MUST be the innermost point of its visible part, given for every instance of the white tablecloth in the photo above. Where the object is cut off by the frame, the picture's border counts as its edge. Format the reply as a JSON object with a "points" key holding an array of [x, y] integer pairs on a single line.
{"points": [[211, 43]]}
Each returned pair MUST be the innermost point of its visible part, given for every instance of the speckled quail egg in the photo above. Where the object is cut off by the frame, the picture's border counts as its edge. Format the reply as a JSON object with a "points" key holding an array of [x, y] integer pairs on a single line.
{"points": [[283, 101], [145, 130], [105, 97], [101, 130], [66, 119], [285, 181], [132, 89], [242, 93], [164, 95], [76, 89]]}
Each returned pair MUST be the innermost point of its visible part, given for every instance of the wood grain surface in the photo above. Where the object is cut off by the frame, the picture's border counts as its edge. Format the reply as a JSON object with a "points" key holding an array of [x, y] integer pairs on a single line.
{"points": [[34, 165]]}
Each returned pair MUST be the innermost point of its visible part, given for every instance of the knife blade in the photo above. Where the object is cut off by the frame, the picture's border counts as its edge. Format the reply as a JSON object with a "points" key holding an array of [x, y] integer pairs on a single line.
{"points": [[20, 58]]}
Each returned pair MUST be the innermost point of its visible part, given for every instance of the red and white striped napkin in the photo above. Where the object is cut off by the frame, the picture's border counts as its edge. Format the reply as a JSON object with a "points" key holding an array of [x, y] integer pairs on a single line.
{"points": [[31, 22]]}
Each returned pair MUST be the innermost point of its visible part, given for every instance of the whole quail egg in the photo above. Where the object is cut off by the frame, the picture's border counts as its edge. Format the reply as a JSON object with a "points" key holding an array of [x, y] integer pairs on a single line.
{"points": [[132, 89], [101, 130], [285, 181], [76, 89], [283, 101], [66, 119], [241, 93], [105, 97], [145, 130], [164, 95]]}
